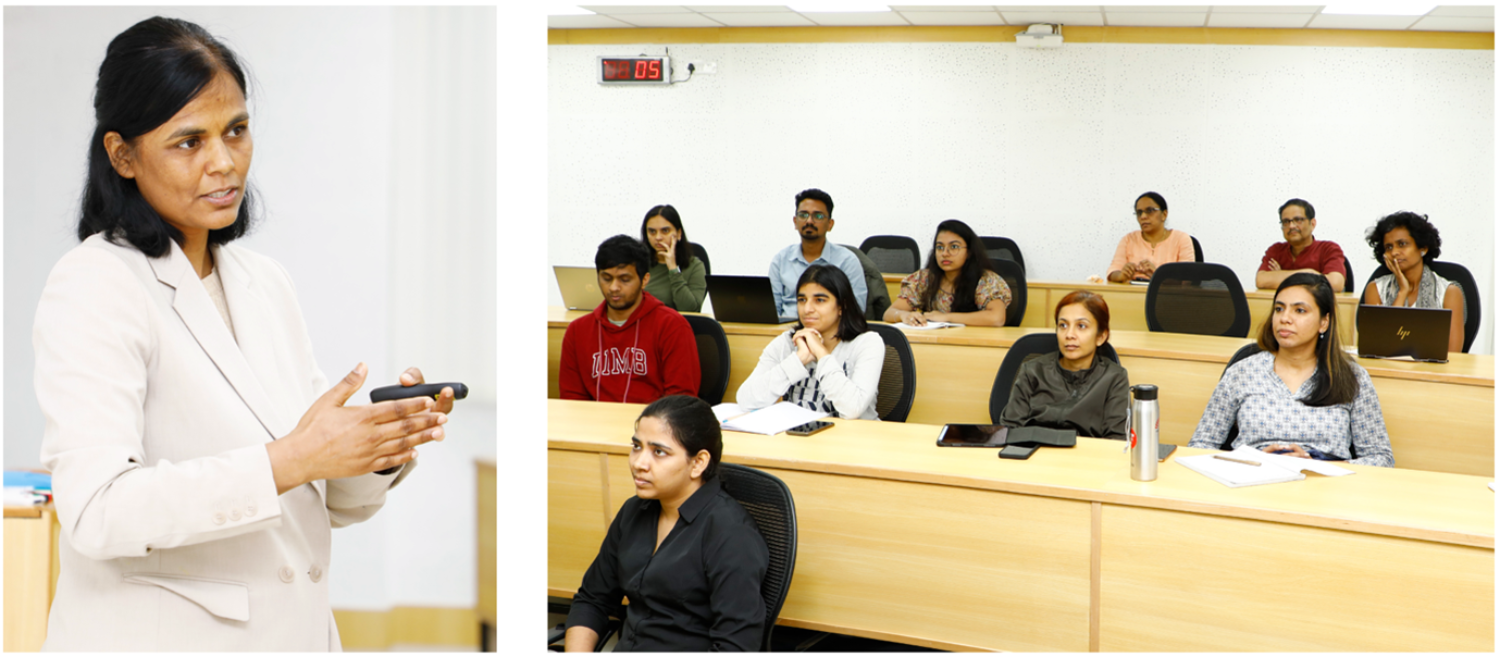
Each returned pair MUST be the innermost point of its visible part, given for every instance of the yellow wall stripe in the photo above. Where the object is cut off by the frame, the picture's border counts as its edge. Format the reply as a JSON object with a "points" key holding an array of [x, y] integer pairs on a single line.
{"points": [[417, 626], [1007, 33]]}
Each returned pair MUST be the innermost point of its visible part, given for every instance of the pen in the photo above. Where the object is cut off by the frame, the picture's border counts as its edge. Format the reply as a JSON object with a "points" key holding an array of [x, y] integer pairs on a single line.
{"points": [[1226, 458]]}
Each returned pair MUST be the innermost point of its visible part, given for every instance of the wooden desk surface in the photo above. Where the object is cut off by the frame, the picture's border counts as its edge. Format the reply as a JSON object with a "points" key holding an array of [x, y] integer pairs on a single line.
{"points": [[31, 570], [898, 539]]}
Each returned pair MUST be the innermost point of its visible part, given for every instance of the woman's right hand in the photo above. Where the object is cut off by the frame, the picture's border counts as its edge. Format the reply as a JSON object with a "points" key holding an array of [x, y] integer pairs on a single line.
{"points": [[1127, 272], [914, 318], [332, 442], [800, 338], [1400, 275]]}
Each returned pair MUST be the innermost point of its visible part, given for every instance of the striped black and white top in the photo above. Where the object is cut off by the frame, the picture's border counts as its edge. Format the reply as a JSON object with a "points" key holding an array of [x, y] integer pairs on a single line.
{"points": [[843, 383]]}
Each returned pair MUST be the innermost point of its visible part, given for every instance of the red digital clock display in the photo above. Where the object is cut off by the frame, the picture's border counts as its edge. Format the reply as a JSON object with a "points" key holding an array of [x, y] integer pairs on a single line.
{"points": [[634, 70]]}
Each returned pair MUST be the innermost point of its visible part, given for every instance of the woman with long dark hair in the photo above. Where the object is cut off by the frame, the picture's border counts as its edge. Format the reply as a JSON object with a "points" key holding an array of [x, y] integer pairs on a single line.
{"points": [[958, 284], [678, 278], [1407, 243], [1302, 395], [829, 361]]}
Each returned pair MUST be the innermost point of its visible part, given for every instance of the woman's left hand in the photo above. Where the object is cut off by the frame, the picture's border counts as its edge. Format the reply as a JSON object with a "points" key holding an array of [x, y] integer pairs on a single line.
{"points": [[815, 344], [1287, 449], [669, 257], [413, 376]]}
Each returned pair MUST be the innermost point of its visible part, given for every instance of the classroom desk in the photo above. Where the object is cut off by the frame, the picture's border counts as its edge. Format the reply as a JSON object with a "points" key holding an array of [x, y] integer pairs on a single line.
{"points": [[30, 575], [1127, 304], [1439, 416], [953, 548]]}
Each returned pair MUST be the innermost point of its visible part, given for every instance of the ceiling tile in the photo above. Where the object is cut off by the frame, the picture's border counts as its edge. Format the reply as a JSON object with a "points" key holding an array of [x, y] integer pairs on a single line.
{"points": [[738, 9], [1201, 9], [1266, 9], [635, 9], [1455, 10], [954, 17], [1343, 22], [855, 18], [1455, 24], [1010, 8], [1155, 19], [1217, 19], [752, 19], [582, 22], [1059, 17], [909, 8], [669, 20]]}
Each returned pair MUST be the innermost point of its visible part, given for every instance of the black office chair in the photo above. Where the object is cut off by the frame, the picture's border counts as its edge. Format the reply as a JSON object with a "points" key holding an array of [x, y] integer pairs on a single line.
{"points": [[1197, 249], [713, 357], [1348, 275], [1015, 277], [1032, 345], [1243, 353], [893, 254], [877, 297], [898, 377], [1455, 273], [1203, 298], [768, 500], [702, 254], [1003, 248]]}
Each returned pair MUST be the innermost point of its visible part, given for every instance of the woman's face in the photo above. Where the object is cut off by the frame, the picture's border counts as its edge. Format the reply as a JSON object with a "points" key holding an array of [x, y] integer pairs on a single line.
{"points": [[1400, 247], [660, 465], [818, 308], [952, 252], [1078, 336], [1295, 318], [192, 169], [658, 230], [1149, 215]]}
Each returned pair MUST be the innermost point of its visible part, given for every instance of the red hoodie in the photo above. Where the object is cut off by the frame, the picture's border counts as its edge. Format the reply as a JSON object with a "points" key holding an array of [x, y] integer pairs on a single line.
{"points": [[654, 354]]}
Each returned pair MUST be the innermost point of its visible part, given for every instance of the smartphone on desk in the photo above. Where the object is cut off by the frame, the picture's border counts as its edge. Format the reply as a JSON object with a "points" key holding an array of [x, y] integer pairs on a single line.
{"points": [[1164, 450], [809, 429], [972, 435], [1018, 452]]}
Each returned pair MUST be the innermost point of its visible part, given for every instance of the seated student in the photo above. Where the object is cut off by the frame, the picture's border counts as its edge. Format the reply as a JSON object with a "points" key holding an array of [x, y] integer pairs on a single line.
{"points": [[704, 592], [1405, 242], [813, 221], [677, 277], [829, 361], [1300, 252], [1303, 395], [1141, 251], [957, 285], [631, 348], [1080, 389]]}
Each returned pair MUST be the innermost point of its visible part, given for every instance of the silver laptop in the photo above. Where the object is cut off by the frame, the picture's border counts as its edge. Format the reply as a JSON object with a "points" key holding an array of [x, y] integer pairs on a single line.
{"points": [[579, 287], [1395, 332]]}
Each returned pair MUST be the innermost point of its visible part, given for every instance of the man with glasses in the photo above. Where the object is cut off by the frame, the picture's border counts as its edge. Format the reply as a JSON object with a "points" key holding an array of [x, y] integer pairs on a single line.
{"points": [[813, 221], [1300, 252]]}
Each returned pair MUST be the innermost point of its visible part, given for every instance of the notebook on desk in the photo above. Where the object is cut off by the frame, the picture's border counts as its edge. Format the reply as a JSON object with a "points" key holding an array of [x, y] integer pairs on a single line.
{"points": [[1394, 332], [579, 287], [745, 299]]}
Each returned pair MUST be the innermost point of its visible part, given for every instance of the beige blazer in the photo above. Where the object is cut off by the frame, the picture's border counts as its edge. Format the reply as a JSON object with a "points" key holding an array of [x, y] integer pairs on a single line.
{"points": [[173, 536]]}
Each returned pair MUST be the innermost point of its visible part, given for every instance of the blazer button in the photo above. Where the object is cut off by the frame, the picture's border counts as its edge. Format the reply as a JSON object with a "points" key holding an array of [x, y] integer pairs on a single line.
{"points": [[249, 510], [287, 575], [234, 514], [316, 574], [218, 517]]}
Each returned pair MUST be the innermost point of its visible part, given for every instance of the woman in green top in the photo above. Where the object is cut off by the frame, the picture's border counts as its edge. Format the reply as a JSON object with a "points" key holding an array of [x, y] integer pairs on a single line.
{"points": [[677, 278]]}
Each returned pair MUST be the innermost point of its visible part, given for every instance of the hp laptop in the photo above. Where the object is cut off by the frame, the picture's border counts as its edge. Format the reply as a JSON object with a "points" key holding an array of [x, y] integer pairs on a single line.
{"points": [[745, 299], [579, 287], [1393, 332]]}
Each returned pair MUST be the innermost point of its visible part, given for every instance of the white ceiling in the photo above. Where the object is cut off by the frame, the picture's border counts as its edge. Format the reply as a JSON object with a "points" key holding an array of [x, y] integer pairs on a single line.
{"points": [[1450, 18]]}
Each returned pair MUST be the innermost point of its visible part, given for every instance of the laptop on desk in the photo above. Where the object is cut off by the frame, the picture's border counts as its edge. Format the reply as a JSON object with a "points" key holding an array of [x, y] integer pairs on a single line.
{"points": [[1394, 332], [744, 299], [579, 287]]}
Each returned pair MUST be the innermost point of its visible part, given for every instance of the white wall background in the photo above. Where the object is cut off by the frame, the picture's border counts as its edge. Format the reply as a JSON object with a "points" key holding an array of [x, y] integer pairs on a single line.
{"points": [[375, 163], [1050, 148]]}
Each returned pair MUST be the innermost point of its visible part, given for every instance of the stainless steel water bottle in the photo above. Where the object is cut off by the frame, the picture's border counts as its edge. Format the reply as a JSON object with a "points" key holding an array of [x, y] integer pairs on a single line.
{"points": [[1145, 426]]}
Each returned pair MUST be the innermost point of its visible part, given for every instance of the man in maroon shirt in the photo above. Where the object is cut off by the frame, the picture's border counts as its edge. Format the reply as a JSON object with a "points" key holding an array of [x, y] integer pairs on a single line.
{"points": [[1300, 252]]}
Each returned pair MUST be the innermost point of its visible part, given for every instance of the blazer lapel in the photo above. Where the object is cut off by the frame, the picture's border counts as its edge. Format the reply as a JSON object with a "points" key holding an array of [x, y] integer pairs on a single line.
{"points": [[197, 311]]}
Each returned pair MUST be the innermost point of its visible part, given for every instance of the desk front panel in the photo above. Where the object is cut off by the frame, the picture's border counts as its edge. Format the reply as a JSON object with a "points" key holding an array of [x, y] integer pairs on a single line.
{"points": [[30, 543], [576, 517]]}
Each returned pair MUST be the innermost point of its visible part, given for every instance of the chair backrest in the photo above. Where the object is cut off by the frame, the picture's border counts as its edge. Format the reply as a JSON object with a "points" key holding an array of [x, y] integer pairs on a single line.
{"points": [[1031, 345], [898, 376], [1243, 353], [1003, 248], [713, 357], [877, 297], [1348, 275], [702, 254], [893, 254], [1204, 298], [1455, 273], [1197, 249], [769, 502], [1015, 277]]}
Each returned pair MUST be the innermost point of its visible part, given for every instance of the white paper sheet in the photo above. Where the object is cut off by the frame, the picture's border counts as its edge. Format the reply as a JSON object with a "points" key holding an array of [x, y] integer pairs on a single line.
{"points": [[773, 419]]}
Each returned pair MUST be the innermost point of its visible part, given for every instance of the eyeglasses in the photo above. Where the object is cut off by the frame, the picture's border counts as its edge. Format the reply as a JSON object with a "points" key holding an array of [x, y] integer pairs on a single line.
{"points": [[1298, 220], [815, 216], [949, 248], [1146, 212]]}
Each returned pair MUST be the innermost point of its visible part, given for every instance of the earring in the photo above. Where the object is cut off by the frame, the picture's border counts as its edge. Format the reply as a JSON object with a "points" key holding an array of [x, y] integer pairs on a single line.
{"points": [[1322, 335]]}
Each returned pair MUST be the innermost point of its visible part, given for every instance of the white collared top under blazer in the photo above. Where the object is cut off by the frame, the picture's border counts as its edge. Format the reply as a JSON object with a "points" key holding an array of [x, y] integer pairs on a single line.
{"points": [[173, 536]]}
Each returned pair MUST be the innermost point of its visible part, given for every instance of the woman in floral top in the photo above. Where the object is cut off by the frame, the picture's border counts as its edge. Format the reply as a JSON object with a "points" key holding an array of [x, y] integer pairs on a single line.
{"points": [[957, 285]]}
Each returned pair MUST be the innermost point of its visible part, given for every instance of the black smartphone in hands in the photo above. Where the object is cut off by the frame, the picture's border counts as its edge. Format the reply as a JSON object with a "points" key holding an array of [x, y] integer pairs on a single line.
{"points": [[1018, 452], [809, 429], [399, 391]]}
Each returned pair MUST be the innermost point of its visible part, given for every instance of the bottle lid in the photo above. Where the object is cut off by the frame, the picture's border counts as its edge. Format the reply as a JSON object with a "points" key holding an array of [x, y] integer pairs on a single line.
{"points": [[1144, 391]]}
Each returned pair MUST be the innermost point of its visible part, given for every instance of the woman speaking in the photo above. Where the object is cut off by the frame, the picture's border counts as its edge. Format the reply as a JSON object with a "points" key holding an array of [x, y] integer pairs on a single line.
{"points": [[173, 367]]}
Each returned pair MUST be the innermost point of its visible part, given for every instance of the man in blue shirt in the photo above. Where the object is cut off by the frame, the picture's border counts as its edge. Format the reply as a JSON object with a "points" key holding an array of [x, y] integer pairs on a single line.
{"points": [[813, 221]]}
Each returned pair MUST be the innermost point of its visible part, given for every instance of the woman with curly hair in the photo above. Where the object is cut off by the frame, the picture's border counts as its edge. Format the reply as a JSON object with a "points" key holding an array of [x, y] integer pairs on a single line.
{"points": [[1406, 242]]}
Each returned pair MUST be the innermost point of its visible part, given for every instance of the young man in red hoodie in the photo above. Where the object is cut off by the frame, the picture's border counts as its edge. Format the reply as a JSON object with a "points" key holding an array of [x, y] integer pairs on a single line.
{"points": [[632, 348]]}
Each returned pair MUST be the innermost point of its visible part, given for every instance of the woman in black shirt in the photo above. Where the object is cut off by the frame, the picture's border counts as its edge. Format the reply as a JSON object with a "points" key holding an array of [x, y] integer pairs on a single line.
{"points": [[686, 554]]}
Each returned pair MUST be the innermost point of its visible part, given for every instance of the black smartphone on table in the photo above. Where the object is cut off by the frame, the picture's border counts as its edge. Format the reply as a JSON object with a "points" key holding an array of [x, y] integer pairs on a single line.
{"points": [[1018, 452], [972, 435], [809, 428]]}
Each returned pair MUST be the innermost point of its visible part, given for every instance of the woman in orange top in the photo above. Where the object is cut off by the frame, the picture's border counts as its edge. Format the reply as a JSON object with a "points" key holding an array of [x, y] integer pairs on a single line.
{"points": [[1141, 251]]}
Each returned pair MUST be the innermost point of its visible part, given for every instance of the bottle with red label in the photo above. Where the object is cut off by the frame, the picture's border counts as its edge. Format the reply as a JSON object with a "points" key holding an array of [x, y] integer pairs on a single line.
{"points": [[1145, 430]]}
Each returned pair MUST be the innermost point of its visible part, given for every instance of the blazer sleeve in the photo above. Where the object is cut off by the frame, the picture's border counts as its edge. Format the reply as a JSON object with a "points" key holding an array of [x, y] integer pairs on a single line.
{"points": [[854, 393], [94, 337], [775, 372]]}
